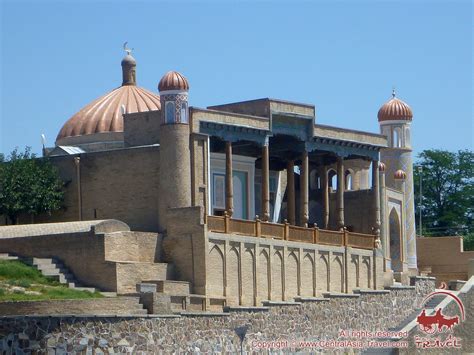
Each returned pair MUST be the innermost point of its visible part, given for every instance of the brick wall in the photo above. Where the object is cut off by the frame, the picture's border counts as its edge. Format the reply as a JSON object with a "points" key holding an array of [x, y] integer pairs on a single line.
{"points": [[120, 184], [247, 270], [445, 257]]}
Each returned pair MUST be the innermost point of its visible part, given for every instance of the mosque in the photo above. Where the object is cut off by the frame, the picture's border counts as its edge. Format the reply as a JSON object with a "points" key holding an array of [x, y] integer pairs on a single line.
{"points": [[251, 200]]}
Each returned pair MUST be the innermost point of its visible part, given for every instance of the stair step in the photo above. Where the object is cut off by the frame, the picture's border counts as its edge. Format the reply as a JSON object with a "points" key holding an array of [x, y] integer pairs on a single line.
{"points": [[5, 256], [52, 268], [109, 294], [88, 289]]}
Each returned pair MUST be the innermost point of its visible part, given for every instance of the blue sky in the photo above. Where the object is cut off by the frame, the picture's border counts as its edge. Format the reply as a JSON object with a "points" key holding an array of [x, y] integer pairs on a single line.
{"points": [[342, 56]]}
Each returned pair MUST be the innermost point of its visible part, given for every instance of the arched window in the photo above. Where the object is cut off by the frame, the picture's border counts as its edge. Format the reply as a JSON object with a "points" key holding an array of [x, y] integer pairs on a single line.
{"points": [[332, 179], [169, 112], [184, 112], [407, 137], [348, 177], [397, 138]]}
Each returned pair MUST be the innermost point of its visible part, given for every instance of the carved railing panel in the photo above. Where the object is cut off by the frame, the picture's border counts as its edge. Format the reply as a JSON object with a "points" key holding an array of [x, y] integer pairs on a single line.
{"points": [[272, 230], [359, 240], [240, 226], [330, 237], [216, 224], [301, 234]]}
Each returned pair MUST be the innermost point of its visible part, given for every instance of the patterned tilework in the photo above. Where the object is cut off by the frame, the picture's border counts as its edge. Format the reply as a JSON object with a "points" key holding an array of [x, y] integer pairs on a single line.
{"points": [[178, 99]]}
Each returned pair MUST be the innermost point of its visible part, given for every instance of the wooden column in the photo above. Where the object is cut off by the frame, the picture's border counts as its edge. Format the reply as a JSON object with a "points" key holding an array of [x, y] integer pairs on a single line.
{"points": [[304, 174], [229, 188], [290, 171], [265, 183], [325, 191], [376, 196], [340, 193]]}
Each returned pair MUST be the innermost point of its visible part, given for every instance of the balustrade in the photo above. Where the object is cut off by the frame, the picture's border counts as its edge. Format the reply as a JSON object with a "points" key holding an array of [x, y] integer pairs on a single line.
{"points": [[260, 229]]}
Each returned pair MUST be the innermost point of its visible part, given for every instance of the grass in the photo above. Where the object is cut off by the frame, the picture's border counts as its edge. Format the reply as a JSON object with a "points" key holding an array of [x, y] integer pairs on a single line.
{"points": [[14, 274]]}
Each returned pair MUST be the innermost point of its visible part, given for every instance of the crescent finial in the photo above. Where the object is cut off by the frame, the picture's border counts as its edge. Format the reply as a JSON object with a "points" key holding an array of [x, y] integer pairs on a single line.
{"points": [[128, 50]]}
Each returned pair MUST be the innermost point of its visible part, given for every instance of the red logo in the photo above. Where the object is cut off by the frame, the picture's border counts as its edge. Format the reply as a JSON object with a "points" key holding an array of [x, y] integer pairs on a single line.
{"points": [[439, 322]]}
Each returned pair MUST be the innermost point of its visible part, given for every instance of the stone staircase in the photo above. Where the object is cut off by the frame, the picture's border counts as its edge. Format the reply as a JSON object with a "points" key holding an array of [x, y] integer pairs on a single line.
{"points": [[54, 269]]}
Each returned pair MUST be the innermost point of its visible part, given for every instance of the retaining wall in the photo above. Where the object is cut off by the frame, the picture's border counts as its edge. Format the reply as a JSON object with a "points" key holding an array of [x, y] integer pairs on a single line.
{"points": [[317, 320]]}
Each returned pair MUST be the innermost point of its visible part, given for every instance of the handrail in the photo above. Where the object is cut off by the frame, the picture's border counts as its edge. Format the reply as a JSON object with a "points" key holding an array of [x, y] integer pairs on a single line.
{"points": [[285, 231]]}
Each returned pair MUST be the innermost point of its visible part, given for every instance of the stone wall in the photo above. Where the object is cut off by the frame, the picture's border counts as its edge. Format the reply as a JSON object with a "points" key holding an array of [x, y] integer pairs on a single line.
{"points": [[185, 246], [247, 270], [445, 257], [213, 333]]}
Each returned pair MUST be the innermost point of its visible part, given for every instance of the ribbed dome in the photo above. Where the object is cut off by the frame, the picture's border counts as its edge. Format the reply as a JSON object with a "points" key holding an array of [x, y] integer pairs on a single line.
{"points": [[103, 116], [382, 166], [395, 109], [105, 113], [173, 80], [400, 175]]}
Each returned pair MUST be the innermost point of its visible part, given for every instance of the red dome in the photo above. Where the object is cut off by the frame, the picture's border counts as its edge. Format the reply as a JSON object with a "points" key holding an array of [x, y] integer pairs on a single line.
{"points": [[400, 175], [381, 166], [104, 115], [173, 80], [395, 109]]}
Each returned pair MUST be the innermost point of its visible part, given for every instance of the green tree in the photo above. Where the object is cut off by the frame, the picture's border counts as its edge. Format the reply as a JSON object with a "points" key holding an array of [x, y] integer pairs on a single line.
{"points": [[448, 192], [28, 185]]}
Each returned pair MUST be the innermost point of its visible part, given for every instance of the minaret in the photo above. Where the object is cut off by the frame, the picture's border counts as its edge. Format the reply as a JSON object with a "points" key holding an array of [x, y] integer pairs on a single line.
{"points": [[395, 118], [175, 156]]}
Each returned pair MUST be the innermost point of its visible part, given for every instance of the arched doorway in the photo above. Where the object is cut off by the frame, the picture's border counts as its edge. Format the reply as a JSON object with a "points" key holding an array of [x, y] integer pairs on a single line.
{"points": [[396, 253]]}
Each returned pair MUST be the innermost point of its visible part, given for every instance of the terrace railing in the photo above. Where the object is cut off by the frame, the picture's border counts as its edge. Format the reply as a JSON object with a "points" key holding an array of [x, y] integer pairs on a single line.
{"points": [[285, 231]]}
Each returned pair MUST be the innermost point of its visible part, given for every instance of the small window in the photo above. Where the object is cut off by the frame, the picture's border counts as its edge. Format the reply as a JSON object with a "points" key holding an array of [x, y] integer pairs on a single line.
{"points": [[170, 112], [348, 180], [184, 112], [332, 179], [407, 137], [397, 138]]}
